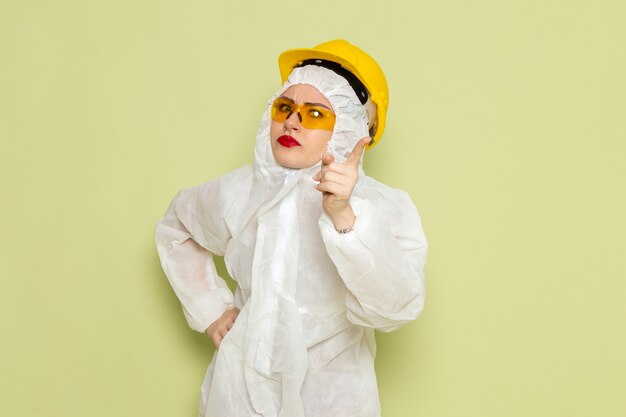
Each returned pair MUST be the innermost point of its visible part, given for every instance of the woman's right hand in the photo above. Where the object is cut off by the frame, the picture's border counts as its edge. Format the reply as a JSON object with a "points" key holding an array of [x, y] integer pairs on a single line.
{"points": [[218, 329]]}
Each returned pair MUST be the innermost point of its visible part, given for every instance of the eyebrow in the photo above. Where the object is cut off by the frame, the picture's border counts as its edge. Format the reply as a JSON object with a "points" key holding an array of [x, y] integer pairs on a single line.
{"points": [[312, 104]]}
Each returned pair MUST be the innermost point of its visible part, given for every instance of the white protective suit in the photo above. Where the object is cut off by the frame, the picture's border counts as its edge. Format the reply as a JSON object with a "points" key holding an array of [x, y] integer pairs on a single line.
{"points": [[310, 298]]}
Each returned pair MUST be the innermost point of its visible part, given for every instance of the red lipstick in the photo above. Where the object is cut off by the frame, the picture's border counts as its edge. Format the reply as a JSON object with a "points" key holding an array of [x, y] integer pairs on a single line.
{"points": [[288, 141]]}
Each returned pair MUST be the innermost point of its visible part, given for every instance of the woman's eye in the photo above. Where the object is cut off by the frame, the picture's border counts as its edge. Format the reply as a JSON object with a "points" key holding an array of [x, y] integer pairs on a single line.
{"points": [[285, 108], [316, 113]]}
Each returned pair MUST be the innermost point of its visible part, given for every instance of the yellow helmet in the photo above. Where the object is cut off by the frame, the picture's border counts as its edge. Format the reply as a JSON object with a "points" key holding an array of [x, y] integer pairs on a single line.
{"points": [[354, 60]]}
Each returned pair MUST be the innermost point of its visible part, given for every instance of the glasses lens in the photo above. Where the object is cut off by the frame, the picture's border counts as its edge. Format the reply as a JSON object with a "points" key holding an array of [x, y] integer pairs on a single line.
{"points": [[317, 117], [281, 109]]}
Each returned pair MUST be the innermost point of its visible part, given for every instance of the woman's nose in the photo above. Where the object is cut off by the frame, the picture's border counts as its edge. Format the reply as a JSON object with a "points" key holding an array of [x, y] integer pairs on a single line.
{"points": [[293, 122]]}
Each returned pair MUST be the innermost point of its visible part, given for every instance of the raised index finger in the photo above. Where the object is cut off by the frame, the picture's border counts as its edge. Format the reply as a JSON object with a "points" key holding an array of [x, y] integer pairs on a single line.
{"points": [[355, 155]]}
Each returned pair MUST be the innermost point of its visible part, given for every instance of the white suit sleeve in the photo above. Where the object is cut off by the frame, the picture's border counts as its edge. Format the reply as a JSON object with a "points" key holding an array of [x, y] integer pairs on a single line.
{"points": [[381, 261], [191, 231]]}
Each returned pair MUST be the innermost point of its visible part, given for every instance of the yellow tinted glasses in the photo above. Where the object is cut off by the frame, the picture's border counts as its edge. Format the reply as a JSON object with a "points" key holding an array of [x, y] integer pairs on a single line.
{"points": [[311, 115]]}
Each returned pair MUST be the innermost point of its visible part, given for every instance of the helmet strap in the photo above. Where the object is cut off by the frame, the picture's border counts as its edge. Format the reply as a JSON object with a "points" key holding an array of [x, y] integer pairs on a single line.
{"points": [[356, 84]]}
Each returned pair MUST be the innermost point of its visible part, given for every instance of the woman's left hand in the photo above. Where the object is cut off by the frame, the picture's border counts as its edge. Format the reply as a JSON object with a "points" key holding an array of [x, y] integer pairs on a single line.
{"points": [[336, 182]]}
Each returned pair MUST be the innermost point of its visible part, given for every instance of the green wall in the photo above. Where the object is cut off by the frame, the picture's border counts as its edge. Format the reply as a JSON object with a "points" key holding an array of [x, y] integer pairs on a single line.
{"points": [[506, 126]]}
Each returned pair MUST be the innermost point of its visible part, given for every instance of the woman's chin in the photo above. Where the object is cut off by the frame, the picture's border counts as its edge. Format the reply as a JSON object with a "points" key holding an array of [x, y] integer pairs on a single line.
{"points": [[290, 158]]}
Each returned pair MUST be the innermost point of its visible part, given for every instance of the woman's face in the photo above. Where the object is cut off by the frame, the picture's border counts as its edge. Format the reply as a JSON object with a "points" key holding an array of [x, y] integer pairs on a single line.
{"points": [[293, 145]]}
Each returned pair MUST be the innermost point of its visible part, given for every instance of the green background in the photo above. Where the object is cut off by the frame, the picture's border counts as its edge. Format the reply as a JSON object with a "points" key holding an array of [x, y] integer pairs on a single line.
{"points": [[506, 125]]}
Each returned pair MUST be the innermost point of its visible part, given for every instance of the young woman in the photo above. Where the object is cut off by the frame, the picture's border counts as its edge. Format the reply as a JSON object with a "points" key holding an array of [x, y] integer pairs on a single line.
{"points": [[322, 256]]}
